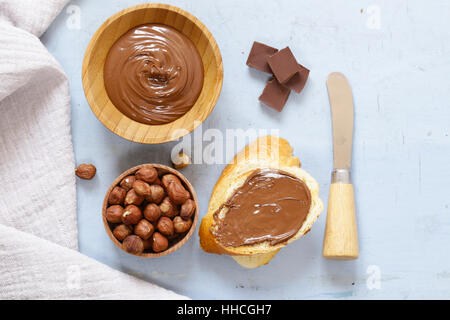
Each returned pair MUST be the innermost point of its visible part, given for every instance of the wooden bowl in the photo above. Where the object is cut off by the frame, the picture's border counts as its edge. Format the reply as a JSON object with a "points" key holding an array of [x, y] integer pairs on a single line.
{"points": [[114, 28], [162, 169]]}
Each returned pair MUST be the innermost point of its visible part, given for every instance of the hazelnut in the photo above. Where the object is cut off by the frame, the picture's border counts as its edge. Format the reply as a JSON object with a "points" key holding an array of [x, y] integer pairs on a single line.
{"points": [[131, 215], [157, 193], [142, 188], [144, 229], [177, 193], [168, 208], [160, 243], [114, 214], [180, 225], [122, 231], [133, 244], [86, 171], [127, 183], [148, 243], [116, 196], [133, 198], [147, 174], [165, 226], [168, 179], [157, 181], [152, 212], [181, 161], [187, 209]]}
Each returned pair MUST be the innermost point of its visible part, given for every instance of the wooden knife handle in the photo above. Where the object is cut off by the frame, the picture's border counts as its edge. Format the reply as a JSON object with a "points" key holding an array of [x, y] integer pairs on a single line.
{"points": [[341, 236]]}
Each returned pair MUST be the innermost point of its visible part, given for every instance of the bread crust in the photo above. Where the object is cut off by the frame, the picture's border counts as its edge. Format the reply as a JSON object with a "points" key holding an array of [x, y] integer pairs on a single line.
{"points": [[265, 152]]}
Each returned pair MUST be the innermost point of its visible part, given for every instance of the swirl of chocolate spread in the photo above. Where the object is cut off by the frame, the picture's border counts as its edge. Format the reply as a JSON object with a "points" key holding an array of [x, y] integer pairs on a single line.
{"points": [[153, 74], [271, 206]]}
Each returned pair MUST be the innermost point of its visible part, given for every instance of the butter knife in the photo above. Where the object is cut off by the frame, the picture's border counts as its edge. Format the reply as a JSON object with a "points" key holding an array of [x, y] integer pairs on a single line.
{"points": [[341, 235]]}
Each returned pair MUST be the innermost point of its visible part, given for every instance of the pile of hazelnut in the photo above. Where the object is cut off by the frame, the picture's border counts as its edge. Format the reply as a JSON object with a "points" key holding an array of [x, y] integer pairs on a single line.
{"points": [[149, 212]]}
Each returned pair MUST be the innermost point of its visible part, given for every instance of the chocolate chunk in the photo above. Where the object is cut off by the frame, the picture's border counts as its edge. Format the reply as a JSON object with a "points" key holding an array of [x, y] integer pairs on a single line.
{"points": [[275, 95], [258, 56], [298, 81], [283, 64]]}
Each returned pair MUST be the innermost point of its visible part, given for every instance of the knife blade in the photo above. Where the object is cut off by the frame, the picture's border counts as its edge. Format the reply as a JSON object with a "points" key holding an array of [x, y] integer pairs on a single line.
{"points": [[342, 112]]}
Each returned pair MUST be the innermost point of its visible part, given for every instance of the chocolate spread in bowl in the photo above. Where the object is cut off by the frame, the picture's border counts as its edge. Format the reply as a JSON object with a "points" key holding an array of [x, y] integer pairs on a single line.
{"points": [[271, 206], [153, 74]]}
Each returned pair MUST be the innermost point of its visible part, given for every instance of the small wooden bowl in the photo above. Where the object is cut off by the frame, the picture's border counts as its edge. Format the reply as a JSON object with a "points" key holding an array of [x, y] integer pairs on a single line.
{"points": [[114, 28], [162, 169]]}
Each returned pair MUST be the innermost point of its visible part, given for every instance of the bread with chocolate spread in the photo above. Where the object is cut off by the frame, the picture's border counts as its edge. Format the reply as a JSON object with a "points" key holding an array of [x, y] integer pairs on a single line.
{"points": [[262, 202]]}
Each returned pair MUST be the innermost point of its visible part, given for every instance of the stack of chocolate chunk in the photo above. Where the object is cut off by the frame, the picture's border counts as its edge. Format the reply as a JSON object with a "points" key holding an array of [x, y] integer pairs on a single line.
{"points": [[287, 73]]}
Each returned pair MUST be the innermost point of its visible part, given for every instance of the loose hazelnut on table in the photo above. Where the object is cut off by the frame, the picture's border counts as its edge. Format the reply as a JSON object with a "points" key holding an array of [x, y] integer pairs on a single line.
{"points": [[165, 226], [160, 243], [127, 183], [152, 212], [133, 198], [131, 215], [177, 193], [147, 174], [117, 196], [142, 188], [187, 209], [86, 171], [168, 208], [180, 225], [122, 231], [144, 229], [114, 214], [181, 161], [157, 194], [133, 244]]}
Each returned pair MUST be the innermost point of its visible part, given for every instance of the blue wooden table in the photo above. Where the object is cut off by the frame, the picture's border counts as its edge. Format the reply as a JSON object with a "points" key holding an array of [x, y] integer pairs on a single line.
{"points": [[396, 55]]}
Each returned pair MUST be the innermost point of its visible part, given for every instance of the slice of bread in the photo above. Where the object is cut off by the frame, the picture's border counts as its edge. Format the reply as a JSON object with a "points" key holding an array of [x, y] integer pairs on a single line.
{"points": [[265, 152]]}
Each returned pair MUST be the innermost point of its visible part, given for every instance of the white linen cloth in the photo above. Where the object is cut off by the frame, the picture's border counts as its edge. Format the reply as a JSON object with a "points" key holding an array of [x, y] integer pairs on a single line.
{"points": [[38, 223]]}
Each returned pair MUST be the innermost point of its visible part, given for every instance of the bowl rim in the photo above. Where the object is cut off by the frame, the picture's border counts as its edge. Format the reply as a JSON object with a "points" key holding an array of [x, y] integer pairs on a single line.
{"points": [[167, 169], [174, 133]]}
